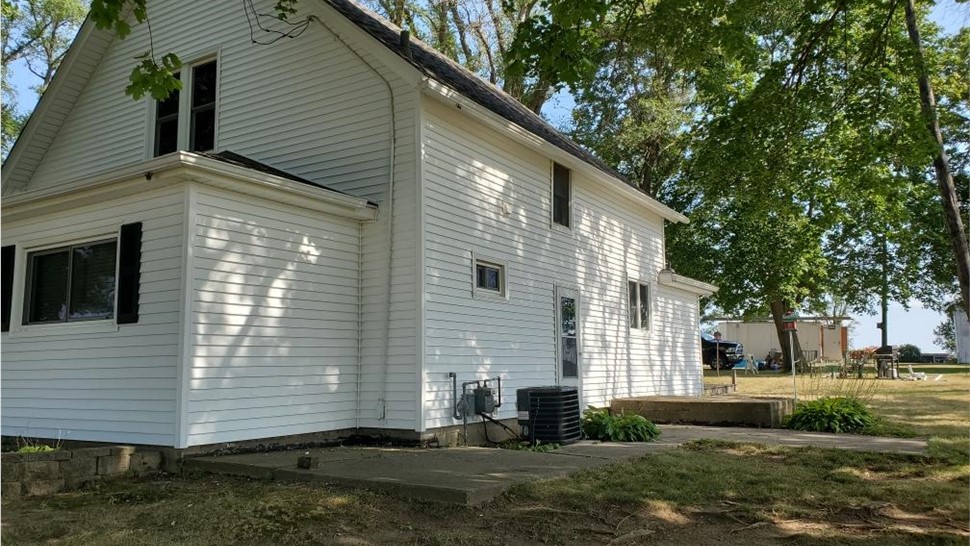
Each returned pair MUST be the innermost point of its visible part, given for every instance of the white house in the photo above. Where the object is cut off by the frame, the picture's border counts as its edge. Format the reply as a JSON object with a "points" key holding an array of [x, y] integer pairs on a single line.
{"points": [[311, 236]]}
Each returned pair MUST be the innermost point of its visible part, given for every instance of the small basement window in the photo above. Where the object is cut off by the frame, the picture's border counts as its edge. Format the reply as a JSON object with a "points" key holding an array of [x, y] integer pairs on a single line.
{"points": [[71, 283], [489, 278], [639, 305], [561, 195]]}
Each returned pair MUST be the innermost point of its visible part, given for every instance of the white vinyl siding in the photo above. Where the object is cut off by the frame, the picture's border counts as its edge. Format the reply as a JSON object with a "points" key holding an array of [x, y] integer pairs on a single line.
{"points": [[471, 175], [111, 386], [308, 106], [274, 320]]}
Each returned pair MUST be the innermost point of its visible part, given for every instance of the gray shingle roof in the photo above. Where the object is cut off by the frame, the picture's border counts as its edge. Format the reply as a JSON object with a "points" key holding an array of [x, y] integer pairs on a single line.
{"points": [[441, 68], [239, 160]]}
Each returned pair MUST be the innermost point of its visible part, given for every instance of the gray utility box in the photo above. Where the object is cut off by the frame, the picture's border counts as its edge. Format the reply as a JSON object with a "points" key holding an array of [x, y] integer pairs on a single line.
{"points": [[480, 400]]}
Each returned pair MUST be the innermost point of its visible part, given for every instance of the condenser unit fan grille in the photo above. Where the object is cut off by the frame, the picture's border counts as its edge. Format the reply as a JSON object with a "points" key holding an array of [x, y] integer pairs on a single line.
{"points": [[549, 414]]}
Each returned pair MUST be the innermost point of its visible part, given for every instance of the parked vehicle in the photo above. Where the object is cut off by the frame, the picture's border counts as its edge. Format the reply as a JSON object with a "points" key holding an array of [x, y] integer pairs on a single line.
{"points": [[722, 354]]}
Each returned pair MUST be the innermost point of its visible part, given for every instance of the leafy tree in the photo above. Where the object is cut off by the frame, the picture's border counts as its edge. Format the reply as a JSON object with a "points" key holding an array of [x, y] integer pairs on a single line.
{"points": [[805, 172], [909, 353], [38, 33], [944, 335]]}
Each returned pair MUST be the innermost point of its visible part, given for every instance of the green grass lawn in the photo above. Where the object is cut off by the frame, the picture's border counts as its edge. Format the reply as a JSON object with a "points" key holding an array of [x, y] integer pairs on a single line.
{"points": [[705, 492]]}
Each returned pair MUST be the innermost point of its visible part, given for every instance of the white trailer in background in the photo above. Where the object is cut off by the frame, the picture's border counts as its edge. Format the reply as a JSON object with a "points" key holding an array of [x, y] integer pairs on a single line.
{"points": [[827, 337]]}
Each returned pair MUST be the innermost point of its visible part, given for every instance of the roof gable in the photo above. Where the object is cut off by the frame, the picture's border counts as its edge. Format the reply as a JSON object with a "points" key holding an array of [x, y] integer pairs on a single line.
{"points": [[441, 68]]}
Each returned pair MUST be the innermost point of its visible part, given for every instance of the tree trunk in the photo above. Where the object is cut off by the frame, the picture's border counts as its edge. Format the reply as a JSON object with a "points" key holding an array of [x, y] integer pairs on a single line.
{"points": [[778, 310], [951, 207]]}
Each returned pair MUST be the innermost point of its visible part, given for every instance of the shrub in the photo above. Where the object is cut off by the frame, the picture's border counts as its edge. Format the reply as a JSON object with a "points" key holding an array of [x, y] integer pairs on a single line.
{"points": [[831, 415], [600, 424], [40, 448]]}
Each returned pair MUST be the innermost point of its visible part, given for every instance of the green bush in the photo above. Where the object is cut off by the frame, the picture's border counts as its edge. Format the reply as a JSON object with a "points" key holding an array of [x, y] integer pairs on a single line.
{"points": [[40, 448], [831, 415], [600, 424]]}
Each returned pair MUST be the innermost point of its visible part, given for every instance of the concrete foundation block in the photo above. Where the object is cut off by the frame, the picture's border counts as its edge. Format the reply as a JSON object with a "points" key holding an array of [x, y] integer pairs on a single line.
{"points": [[113, 465], [43, 488], [42, 470], [79, 466], [143, 462], [47, 456], [12, 470]]}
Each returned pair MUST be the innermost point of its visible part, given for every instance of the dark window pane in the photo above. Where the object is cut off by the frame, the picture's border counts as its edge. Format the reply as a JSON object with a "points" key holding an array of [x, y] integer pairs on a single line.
{"points": [[560, 194], [567, 314], [166, 136], [93, 281], [644, 306], [48, 287], [203, 130], [167, 123], [169, 106], [570, 357], [204, 84], [634, 312], [489, 278]]}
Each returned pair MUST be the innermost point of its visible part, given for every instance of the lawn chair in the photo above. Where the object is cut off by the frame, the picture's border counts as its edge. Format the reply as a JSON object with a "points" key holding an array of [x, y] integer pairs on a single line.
{"points": [[751, 367], [914, 376]]}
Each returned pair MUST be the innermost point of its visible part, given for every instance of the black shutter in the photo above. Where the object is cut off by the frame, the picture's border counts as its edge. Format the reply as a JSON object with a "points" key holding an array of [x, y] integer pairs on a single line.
{"points": [[129, 273], [7, 256]]}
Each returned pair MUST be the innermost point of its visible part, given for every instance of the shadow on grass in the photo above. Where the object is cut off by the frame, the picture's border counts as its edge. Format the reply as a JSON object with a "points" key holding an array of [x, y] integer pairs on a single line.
{"points": [[820, 495]]}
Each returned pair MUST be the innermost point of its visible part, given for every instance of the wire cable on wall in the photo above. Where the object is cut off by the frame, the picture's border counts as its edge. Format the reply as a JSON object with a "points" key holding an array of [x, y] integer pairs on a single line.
{"points": [[296, 28]]}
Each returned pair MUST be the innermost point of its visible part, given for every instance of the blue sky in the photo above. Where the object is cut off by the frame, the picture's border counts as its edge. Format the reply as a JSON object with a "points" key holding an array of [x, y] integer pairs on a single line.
{"points": [[905, 326]]}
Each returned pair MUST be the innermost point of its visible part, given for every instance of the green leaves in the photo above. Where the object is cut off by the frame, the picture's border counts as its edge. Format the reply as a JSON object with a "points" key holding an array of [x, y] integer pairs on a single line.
{"points": [[111, 14], [837, 415], [600, 424], [148, 77]]}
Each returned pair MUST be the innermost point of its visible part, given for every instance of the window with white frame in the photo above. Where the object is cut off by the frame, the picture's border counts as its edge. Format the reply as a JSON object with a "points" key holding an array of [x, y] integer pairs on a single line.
{"points": [[78, 281], [490, 277], [199, 113], [639, 305], [561, 195], [71, 283]]}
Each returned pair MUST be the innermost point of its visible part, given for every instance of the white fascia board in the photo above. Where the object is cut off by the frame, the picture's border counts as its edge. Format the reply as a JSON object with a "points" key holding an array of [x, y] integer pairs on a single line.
{"points": [[452, 98], [687, 284], [38, 116], [221, 174], [181, 166]]}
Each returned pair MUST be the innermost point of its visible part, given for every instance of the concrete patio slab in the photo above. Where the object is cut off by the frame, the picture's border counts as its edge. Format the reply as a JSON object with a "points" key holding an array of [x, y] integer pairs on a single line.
{"points": [[473, 475]]}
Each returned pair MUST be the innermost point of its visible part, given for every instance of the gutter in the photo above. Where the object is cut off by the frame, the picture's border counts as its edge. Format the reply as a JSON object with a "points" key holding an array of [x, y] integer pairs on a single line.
{"points": [[155, 172], [667, 277]]}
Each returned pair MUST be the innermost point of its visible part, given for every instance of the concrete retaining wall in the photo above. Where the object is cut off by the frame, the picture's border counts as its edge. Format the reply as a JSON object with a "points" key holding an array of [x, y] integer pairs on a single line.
{"points": [[34, 474]]}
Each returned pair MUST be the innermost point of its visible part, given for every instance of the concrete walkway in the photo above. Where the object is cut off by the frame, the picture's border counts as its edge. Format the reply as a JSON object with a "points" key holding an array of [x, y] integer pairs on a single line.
{"points": [[474, 475]]}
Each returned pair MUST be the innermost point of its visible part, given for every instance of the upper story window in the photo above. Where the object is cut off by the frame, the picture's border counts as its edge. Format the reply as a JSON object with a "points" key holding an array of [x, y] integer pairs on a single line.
{"points": [[191, 125], [202, 133], [561, 195], [639, 308], [167, 124]]}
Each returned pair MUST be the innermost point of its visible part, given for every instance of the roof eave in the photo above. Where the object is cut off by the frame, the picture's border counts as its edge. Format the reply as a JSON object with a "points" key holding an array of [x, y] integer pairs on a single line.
{"points": [[199, 169], [667, 277]]}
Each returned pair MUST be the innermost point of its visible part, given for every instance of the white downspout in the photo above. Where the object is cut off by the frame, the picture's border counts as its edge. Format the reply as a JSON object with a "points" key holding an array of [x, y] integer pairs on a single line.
{"points": [[392, 144]]}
